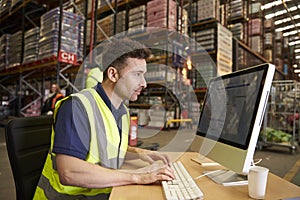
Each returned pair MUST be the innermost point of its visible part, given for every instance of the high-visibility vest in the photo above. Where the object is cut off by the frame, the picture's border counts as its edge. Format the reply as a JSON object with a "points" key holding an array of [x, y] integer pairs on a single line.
{"points": [[55, 98], [94, 76], [107, 148]]}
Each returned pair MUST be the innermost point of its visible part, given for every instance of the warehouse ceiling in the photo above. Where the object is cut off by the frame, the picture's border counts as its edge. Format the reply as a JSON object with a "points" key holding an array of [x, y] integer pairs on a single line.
{"points": [[286, 17]]}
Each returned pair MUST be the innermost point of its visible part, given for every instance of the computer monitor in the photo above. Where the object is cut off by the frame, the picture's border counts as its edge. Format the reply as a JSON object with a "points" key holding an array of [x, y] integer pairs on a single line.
{"points": [[231, 119]]}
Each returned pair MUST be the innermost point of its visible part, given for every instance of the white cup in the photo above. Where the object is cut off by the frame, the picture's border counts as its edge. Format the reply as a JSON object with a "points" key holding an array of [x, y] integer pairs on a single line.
{"points": [[257, 182]]}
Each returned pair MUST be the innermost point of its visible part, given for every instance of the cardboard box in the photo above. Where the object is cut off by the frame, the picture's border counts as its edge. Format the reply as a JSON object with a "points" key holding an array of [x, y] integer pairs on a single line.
{"points": [[255, 26]]}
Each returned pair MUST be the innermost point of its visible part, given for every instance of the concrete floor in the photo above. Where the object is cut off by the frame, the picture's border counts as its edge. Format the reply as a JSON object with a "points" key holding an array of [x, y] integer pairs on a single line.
{"points": [[279, 160]]}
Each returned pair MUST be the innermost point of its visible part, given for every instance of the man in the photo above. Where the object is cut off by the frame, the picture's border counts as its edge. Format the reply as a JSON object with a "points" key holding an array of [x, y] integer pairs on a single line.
{"points": [[90, 133]]}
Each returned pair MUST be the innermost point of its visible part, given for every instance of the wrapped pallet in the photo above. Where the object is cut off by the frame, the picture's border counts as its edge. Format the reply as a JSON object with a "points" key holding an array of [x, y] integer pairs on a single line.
{"points": [[137, 18], [162, 13], [71, 39], [4, 46], [31, 45]]}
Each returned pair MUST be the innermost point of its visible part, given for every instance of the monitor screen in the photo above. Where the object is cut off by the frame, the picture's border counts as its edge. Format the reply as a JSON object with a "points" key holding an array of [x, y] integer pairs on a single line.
{"points": [[230, 105], [232, 114]]}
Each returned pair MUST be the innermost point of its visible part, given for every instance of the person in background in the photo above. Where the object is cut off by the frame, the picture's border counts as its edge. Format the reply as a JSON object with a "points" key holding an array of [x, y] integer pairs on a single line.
{"points": [[94, 76], [54, 96], [90, 133]]}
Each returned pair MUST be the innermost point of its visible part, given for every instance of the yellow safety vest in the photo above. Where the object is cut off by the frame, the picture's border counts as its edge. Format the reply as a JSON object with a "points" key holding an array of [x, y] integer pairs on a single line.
{"points": [[107, 148], [93, 77]]}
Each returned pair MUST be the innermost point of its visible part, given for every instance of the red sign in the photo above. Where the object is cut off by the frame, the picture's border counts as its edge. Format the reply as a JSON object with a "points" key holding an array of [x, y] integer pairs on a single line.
{"points": [[67, 57]]}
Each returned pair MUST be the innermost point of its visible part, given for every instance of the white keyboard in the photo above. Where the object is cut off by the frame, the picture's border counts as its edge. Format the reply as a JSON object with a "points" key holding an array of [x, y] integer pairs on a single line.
{"points": [[183, 186]]}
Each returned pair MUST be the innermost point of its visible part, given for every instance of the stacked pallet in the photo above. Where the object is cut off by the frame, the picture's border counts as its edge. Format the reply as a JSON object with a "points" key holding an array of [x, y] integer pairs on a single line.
{"points": [[162, 13], [31, 45], [121, 22], [137, 18], [4, 46], [15, 50], [71, 40], [237, 9], [106, 28], [204, 10]]}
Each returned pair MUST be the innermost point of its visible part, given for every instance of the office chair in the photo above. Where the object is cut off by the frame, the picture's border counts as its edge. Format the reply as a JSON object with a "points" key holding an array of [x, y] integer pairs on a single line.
{"points": [[28, 141]]}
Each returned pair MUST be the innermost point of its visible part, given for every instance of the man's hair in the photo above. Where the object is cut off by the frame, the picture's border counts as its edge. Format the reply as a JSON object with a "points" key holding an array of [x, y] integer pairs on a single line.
{"points": [[119, 50]]}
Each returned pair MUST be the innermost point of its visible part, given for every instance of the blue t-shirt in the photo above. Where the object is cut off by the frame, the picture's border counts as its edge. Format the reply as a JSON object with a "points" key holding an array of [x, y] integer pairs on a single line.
{"points": [[72, 129]]}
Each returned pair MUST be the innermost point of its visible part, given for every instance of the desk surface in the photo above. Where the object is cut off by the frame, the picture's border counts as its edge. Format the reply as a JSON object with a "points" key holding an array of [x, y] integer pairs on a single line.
{"points": [[277, 188]]}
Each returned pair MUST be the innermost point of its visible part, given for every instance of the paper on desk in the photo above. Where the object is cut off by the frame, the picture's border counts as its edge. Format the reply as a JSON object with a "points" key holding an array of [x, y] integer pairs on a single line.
{"points": [[205, 162]]}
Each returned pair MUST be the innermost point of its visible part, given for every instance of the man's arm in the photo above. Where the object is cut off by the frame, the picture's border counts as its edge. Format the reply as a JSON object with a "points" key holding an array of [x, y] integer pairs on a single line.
{"points": [[76, 172], [70, 156]]}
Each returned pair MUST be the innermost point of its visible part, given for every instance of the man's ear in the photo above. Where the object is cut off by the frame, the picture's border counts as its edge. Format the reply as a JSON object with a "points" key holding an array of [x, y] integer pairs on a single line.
{"points": [[113, 74]]}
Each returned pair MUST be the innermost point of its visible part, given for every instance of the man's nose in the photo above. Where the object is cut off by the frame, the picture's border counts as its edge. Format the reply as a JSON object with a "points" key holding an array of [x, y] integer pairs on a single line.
{"points": [[143, 82]]}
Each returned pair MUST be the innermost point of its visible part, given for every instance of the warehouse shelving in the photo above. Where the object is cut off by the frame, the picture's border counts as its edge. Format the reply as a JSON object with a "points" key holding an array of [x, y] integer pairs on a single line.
{"points": [[165, 86], [31, 76], [52, 70], [161, 87], [215, 54], [237, 18]]}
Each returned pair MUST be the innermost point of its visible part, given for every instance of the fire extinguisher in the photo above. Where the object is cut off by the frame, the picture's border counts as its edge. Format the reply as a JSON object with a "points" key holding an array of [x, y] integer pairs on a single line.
{"points": [[133, 131]]}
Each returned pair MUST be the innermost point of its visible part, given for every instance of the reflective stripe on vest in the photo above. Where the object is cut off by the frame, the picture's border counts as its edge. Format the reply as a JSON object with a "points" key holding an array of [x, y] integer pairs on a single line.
{"points": [[109, 153], [50, 193]]}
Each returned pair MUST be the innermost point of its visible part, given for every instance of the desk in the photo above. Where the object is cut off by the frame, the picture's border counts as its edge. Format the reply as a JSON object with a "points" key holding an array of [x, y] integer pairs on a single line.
{"points": [[277, 188]]}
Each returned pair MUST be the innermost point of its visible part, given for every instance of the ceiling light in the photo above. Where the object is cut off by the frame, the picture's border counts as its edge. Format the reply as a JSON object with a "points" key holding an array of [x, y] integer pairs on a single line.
{"points": [[295, 65], [294, 43], [297, 71], [291, 9], [286, 28], [271, 4], [278, 13], [290, 33], [281, 12], [297, 50], [293, 38], [281, 21]]}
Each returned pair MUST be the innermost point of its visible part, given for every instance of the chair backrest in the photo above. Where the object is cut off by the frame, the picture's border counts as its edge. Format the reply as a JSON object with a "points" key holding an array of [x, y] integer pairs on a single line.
{"points": [[28, 140]]}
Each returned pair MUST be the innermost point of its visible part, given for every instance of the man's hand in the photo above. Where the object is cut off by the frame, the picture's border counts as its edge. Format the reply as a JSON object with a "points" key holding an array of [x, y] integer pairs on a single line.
{"points": [[152, 156], [147, 155], [153, 173]]}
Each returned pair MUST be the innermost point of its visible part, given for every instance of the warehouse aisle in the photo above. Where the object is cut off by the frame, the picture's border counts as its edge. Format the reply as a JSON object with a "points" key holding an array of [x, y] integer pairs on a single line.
{"points": [[279, 161]]}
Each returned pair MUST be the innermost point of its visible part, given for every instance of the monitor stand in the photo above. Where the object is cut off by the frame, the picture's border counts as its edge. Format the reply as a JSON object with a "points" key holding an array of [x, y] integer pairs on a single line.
{"points": [[227, 177]]}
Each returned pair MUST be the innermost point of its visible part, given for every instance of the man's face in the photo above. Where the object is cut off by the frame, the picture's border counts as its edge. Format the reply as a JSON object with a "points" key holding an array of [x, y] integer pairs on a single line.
{"points": [[131, 81]]}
